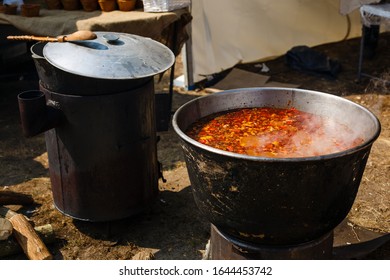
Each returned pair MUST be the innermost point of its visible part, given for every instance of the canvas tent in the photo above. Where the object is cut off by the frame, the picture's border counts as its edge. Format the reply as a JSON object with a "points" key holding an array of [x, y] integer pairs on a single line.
{"points": [[227, 32]]}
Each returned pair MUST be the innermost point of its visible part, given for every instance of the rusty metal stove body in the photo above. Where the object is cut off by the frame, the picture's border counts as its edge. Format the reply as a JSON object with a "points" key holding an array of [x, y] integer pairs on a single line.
{"points": [[96, 105]]}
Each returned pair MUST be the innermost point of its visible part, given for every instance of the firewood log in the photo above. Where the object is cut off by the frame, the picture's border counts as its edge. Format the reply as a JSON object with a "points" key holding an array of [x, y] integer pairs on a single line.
{"points": [[11, 247], [5, 229], [13, 198], [26, 236]]}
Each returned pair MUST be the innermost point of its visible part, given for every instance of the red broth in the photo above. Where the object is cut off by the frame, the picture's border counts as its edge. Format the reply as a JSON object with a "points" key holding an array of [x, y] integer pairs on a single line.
{"points": [[273, 132]]}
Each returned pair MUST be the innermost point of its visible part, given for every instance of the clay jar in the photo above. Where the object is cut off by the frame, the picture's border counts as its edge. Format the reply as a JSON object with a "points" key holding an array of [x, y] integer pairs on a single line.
{"points": [[71, 5], [89, 5], [107, 5], [126, 5], [30, 10], [53, 4], [8, 9]]}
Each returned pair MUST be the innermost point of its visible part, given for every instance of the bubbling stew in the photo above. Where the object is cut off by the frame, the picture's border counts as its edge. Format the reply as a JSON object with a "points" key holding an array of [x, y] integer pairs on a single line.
{"points": [[273, 132]]}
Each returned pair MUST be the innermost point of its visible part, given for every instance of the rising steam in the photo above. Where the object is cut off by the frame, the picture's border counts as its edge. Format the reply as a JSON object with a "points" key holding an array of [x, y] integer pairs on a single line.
{"points": [[284, 133]]}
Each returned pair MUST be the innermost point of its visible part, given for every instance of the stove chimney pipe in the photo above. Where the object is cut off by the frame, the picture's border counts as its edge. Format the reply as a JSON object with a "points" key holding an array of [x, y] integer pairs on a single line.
{"points": [[36, 115]]}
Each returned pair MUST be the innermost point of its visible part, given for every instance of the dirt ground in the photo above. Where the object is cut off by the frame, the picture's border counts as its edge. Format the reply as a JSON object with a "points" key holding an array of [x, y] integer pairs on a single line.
{"points": [[173, 228]]}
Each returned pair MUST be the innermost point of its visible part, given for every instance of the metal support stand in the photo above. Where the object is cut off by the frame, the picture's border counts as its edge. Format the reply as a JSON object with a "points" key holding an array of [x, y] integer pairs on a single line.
{"points": [[361, 57], [346, 242], [370, 15], [361, 51]]}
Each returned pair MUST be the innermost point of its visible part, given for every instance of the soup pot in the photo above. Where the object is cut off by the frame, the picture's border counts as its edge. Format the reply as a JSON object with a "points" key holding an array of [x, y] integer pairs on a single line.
{"points": [[276, 201]]}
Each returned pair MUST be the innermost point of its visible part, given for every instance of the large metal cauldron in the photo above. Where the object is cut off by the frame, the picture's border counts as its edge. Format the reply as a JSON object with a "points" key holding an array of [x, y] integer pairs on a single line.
{"points": [[276, 201], [99, 97]]}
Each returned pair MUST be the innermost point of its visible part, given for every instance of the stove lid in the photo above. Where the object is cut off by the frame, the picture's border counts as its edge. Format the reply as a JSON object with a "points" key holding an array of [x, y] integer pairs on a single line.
{"points": [[111, 56]]}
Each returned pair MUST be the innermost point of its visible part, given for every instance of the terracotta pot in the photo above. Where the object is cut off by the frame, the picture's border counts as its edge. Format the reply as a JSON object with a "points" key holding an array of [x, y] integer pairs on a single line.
{"points": [[126, 5], [8, 9], [107, 5], [71, 5], [89, 5], [30, 10], [53, 4]]}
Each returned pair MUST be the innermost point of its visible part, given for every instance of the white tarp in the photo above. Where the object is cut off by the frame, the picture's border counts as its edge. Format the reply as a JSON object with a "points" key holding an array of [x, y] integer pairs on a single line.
{"points": [[227, 32], [347, 6]]}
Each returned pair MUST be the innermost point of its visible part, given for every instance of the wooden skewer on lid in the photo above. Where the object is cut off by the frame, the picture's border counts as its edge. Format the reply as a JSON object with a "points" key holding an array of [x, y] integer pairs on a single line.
{"points": [[81, 35]]}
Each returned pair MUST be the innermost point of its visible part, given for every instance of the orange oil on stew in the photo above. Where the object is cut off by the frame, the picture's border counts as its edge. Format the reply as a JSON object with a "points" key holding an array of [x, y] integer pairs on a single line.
{"points": [[273, 132]]}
